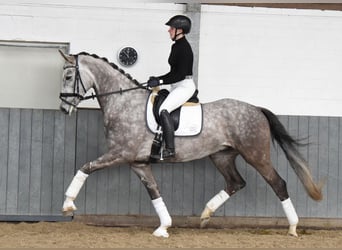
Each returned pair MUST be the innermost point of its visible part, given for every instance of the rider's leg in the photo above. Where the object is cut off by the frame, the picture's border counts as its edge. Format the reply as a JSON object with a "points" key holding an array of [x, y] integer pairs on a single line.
{"points": [[180, 93], [168, 134]]}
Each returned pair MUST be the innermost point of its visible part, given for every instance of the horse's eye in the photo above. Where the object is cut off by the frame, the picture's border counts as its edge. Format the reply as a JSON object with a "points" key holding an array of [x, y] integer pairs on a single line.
{"points": [[67, 78]]}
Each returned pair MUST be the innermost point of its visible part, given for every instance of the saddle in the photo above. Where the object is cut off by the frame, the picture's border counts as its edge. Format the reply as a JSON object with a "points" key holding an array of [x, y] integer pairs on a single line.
{"points": [[160, 98], [187, 118]]}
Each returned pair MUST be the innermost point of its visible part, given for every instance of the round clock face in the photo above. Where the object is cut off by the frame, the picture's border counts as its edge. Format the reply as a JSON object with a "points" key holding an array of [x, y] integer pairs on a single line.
{"points": [[127, 56]]}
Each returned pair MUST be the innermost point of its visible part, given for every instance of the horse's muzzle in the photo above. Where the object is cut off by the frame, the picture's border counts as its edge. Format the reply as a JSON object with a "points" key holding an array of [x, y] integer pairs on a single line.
{"points": [[64, 109], [67, 109]]}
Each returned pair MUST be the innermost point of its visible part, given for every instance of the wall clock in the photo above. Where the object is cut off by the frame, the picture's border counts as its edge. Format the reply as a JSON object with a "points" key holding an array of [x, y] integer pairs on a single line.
{"points": [[127, 56]]}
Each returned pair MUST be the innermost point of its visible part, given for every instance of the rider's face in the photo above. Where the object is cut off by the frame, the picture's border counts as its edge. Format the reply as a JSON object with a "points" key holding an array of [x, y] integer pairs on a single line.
{"points": [[172, 32]]}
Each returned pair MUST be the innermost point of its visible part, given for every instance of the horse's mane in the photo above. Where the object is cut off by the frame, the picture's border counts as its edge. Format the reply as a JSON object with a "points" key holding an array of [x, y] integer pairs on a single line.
{"points": [[114, 66]]}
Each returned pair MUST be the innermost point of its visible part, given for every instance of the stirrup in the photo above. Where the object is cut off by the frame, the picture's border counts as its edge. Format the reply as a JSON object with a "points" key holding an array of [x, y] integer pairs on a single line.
{"points": [[168, 153], [155, 157], [165, 154]]}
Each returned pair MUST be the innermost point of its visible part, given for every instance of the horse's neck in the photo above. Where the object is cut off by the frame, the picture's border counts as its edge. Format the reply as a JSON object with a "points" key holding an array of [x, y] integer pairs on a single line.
{"points": [[108, 83], [116, 101]]}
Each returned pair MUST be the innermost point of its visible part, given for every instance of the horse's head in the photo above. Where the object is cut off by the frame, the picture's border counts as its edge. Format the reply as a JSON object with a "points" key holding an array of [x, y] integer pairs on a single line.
{"points": [[77, 80]]}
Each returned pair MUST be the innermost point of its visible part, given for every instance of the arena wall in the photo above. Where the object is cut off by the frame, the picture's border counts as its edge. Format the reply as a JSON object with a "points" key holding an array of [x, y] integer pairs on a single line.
{"points": [[285, 60]]}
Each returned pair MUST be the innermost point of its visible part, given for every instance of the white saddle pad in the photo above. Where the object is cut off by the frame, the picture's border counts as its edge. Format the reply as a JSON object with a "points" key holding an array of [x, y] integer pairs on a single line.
{"points": [[190, 120]]}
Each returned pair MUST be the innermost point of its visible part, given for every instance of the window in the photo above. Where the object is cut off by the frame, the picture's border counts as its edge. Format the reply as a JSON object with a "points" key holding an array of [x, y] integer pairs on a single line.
{"points": [[31, 74]]}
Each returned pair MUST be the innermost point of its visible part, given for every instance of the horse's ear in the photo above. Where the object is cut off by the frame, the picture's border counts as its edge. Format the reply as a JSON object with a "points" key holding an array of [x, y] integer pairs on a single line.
{"points": [[66, 57]]}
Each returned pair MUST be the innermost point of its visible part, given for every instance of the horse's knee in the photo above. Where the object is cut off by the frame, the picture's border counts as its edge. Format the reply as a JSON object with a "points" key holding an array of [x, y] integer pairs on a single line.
{"points": [[152, 188], [145, 175]]}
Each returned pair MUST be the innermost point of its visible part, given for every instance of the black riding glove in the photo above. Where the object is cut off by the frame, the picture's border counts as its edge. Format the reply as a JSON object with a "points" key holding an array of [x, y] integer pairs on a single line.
{"points": [[153, 82]]}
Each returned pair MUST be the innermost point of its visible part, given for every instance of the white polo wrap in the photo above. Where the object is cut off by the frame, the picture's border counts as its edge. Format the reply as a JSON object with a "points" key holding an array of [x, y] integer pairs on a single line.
{"points": [[164, 216], [290, 211], [76, 184], [218, 200]]}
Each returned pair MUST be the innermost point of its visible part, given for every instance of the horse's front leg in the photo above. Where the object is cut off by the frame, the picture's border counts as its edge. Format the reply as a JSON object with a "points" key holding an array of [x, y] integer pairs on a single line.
{"points": [[77, 182], [144, 172]]}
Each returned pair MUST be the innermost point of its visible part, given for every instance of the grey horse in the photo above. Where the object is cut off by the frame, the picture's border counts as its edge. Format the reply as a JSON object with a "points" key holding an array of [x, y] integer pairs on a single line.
{"points": [[230, 128]]}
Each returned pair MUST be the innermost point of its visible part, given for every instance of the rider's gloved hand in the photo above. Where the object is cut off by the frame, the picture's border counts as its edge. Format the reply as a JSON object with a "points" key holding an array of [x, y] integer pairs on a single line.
{"points": [[153, 82]]}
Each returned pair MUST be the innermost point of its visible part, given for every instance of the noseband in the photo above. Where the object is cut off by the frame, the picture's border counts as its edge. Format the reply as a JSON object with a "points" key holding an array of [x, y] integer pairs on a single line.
{"points": [[78, 82]]}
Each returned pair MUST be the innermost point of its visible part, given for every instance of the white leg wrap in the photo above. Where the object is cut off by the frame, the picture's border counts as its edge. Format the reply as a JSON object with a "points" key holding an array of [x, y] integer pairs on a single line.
{"points": [[290, 212], [76, 185], [164, 217], [217, 200]]}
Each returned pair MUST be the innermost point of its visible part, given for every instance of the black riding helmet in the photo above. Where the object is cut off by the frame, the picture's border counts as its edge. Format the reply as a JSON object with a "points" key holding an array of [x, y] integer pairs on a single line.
{"points": [[180, 22]]}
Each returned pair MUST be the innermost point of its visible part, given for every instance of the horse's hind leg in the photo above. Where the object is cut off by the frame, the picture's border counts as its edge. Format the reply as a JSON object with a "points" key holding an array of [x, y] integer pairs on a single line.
{"points": [[144, 173], [279, 187], [225, 163], [265, 168]]}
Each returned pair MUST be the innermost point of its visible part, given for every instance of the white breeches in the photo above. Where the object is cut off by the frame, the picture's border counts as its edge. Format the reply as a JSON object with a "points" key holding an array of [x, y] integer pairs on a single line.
{"points": [[180, 93]]}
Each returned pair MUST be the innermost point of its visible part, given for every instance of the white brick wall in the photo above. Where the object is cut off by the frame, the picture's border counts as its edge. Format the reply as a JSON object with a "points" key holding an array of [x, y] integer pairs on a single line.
{"points": [[100, 27], [287, 60]]}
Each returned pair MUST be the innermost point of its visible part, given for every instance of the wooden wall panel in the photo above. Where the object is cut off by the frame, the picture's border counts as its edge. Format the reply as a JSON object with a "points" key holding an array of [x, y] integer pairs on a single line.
{"points": [[4, 148], [41, 150], [36, 162], [37, 158]]}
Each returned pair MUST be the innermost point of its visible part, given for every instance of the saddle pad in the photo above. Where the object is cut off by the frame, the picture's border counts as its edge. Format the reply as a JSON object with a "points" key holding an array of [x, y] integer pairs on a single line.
{"points": [[190, 120]]}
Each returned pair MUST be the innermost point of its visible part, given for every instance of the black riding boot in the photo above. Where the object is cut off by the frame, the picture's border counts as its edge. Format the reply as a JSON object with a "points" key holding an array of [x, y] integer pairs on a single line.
{"points": [[168, 134]]}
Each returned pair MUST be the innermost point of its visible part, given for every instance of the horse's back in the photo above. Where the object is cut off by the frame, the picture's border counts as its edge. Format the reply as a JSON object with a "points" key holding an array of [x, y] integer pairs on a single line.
{"points": [[235, 118], [234, 109]]}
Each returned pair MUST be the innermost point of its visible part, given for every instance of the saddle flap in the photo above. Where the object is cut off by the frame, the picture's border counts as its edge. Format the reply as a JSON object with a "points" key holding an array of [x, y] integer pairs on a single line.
{"points": [[158, 101], [188, 118]]}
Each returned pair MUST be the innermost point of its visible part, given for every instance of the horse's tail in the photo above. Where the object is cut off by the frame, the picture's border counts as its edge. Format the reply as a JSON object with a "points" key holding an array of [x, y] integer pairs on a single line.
{"points": [[297, 162]]}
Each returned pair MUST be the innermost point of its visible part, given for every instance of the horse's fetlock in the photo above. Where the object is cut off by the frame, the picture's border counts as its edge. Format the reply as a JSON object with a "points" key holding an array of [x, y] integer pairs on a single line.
{"points": [[87, 168]]}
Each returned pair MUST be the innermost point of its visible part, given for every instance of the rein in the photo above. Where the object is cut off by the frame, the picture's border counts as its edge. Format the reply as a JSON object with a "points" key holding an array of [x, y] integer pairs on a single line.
{"points": [[121, 91], [78, 81]]}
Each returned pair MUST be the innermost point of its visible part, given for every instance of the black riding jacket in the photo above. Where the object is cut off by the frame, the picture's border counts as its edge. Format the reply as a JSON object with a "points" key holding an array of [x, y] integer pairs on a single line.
{"points": [[181, 60]]}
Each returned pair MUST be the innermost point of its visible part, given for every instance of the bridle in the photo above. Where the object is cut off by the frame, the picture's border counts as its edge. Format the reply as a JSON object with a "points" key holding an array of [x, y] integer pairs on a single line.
{"points": [[79, 83]]}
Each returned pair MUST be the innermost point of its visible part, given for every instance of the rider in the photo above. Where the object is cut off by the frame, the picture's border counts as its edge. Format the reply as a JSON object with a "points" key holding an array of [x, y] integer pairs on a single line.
{"points": [[180, 78]]}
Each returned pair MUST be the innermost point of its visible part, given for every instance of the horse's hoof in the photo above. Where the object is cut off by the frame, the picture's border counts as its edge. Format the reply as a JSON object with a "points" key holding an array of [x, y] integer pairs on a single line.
{"points": [[68, 213], [204, 222], [161, 232], [292, 231], [205, 217], [292, 234], [68, 207]]}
